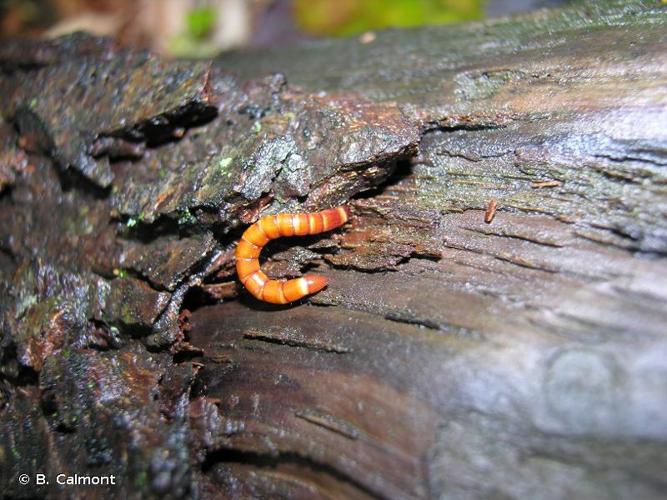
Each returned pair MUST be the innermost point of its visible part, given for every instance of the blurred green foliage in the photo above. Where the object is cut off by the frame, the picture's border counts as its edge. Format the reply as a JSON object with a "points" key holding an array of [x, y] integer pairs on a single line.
{"points": [[194, 41], [200, 22], [349, 17]]}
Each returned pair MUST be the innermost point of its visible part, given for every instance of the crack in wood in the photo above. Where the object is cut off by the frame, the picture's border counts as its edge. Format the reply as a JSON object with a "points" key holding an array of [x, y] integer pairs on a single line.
{"points": [[292, 338], [330, 422], [270, 461], [520, 261], [503, 233], [433, 326], [512, 259]]}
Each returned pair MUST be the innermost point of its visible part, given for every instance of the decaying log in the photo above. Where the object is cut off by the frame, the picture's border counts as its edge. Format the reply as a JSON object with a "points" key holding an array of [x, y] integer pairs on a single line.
{"points": [[451, 356]]}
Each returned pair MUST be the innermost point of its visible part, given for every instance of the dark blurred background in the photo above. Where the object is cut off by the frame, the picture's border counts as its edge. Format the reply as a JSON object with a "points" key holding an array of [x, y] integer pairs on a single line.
{"points": [[201, 28]]}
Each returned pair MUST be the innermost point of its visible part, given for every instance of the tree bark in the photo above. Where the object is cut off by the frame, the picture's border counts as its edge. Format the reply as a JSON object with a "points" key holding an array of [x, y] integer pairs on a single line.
{"points": [[458, 351]]}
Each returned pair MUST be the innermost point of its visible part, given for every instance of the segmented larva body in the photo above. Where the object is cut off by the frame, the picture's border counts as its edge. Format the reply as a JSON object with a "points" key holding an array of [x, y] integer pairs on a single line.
{"points": [[274, 226]]}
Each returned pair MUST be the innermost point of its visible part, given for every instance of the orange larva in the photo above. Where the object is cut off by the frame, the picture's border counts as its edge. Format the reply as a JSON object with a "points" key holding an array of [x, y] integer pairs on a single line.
{"points": [[274, 226]]}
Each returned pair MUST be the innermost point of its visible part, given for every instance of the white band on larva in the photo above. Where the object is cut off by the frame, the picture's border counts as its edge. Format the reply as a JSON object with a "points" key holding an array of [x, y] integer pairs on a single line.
{"points": [[303, 286], [343, 214], [296, 223]]}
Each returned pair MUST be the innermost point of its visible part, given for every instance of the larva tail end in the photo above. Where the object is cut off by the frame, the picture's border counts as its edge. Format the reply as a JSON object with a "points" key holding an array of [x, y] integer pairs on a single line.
{"points": [[347, 210], [315, 282]]}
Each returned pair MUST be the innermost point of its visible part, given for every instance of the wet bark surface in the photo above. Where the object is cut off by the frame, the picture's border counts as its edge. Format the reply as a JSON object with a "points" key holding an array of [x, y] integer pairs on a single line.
{"points": [[448, 357]]}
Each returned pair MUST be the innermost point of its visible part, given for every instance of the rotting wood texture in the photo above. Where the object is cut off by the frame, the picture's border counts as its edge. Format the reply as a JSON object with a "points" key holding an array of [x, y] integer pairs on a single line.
{"points": [[449, 357]]}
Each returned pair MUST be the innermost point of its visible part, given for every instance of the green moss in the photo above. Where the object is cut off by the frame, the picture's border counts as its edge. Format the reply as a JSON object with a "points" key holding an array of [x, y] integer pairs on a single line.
{"points": [[141, 479], [349, 17], [24, 304], [186, 218], [224, 162]]}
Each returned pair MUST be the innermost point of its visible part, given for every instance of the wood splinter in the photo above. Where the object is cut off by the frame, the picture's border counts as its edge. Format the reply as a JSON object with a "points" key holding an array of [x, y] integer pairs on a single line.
{"points": [[490, 211], [545, 184], [274, 226]]}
